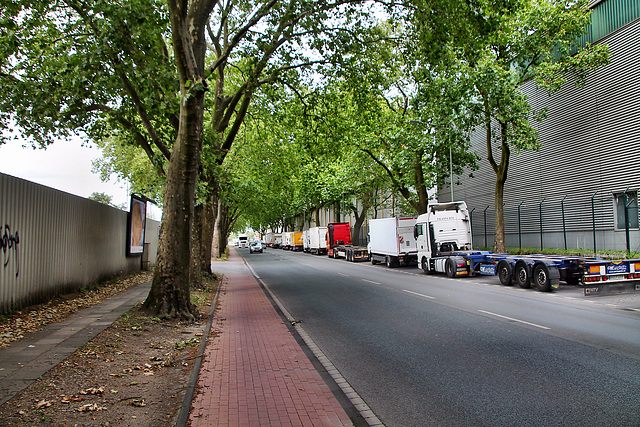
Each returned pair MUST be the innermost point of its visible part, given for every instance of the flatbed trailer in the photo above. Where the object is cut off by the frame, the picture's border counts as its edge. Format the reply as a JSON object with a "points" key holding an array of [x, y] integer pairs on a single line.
{"points": [[350, 253], [545, 272], [446, 227]]}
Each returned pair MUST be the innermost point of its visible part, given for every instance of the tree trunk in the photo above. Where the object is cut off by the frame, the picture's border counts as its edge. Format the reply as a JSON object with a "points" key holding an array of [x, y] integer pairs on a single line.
{"points": [[501, 178], [220, 230], [360, 217], [170, 293], [423, 194], [206, 239], [499, 169], [499, 246], [196, 240]]}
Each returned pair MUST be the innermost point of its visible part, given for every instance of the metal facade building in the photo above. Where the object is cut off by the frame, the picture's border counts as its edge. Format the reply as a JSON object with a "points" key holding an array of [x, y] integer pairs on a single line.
{"points": [[570, 192]]}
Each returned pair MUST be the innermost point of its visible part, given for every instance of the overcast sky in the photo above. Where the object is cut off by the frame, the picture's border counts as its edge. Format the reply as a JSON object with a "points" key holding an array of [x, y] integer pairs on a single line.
{"points": [[64, 165]]}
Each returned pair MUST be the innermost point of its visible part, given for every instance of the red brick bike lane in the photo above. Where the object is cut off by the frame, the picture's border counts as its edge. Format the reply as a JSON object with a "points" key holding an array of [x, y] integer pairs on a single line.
{"points": [[254, 372]]}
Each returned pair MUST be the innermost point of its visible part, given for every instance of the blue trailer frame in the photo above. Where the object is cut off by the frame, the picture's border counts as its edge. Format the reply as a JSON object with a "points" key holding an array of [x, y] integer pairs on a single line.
{"points": [[595, 275]]}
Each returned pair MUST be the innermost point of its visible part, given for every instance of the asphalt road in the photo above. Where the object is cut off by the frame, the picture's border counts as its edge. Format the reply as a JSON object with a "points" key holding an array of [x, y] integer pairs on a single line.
{"points": [[428, 350]]}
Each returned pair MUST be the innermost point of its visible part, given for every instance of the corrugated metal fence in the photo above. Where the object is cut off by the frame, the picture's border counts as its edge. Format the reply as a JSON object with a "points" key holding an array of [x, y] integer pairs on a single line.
{"points": [[54, 242], [571, 221]]}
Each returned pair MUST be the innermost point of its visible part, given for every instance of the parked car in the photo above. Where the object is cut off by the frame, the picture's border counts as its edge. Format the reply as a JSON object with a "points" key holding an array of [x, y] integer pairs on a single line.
{"points": [[255, 247]]}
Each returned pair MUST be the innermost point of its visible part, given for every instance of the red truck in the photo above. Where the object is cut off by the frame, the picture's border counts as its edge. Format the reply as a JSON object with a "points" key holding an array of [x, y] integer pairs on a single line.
{"points": [[339, 243]]}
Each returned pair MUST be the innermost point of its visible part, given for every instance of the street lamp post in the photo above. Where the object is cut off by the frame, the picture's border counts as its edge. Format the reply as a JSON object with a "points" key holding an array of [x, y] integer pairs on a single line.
{"points": [[451, 172]]}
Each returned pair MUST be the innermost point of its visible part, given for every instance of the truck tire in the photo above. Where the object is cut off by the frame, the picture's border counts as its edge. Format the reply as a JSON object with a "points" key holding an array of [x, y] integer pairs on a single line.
{"points": [[522, 275], [373, 260], [504, 273], [425, 266], [450, 268], [541, 277]]}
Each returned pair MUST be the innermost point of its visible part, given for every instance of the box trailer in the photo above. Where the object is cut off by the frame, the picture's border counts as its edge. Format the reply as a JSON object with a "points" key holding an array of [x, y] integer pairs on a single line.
{"points": [[392, 241], [292, 241], [305, 241], [315, 240], [287, 240], [298, 243], [273, 240]]}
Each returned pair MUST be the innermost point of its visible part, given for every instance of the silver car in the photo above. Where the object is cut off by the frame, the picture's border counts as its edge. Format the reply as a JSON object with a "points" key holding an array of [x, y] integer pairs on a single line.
{"points": [[255, 247]]}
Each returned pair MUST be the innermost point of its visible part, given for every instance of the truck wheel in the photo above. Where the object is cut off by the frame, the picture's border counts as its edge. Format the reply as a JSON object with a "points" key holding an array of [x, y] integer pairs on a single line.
{"points": [[425, 266], [450, 268], [373, 260], [541, 278], [522, 275], [504, 273]]}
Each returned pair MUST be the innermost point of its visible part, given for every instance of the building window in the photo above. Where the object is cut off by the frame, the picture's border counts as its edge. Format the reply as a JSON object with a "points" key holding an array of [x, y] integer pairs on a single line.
{"points": [[630, 198]]}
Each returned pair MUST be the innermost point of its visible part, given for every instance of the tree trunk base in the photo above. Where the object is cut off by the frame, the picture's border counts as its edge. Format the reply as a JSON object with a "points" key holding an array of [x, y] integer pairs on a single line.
{"points": [[165, 309]]}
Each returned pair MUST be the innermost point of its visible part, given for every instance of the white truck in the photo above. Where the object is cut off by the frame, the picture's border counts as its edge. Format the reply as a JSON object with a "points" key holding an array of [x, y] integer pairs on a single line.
{"points": [[243, 241], [273, 240], [392, 241], [315, 240], [305, 241], [443, 235], [287, 240]]}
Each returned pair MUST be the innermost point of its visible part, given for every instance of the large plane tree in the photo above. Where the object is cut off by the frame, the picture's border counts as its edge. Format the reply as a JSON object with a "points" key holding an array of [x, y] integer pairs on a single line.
{"points": [[153, 71], [489, 49]]}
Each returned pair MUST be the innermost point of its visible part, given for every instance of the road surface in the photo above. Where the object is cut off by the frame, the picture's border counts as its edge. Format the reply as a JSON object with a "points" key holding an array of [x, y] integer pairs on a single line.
{"points": [[427, 350]]}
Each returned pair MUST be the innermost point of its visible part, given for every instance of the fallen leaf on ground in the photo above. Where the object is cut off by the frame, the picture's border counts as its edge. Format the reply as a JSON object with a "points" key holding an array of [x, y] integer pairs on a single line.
{"points": [[93, 390], [69, 399], [90, 407], [43, 404], [138, 402]]}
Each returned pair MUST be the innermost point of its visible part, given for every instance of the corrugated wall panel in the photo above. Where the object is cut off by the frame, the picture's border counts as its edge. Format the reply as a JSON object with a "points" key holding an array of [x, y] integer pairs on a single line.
{"points": [[65, 242]]}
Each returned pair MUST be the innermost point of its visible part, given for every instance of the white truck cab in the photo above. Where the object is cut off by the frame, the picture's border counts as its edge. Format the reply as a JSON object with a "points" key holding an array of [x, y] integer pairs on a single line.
{"points": [[441, 233]]}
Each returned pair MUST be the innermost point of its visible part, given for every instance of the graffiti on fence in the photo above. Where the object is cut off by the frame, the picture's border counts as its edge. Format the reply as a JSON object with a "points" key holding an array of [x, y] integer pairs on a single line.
{"points": [[9, 244]]}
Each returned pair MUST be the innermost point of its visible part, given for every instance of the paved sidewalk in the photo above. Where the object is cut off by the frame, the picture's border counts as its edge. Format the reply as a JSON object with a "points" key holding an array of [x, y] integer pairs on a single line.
{"points": [[25, 361], [254, 373]]}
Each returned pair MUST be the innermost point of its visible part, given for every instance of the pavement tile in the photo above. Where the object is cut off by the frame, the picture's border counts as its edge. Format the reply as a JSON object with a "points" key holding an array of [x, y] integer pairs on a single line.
{"points": [[24, 361]]}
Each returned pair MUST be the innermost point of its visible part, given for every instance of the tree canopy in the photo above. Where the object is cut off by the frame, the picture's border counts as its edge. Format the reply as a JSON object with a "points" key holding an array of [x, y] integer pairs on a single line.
{"points": [[265, 111]]}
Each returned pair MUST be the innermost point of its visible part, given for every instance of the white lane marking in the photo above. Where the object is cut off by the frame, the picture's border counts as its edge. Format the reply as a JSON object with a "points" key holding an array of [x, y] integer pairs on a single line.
{"points": [[515, 320], [416, 293], [371, 281], [342, 274]]}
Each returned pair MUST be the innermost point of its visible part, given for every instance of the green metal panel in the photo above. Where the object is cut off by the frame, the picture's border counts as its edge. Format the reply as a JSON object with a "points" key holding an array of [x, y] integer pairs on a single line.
{"points": [[609, 16]]}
